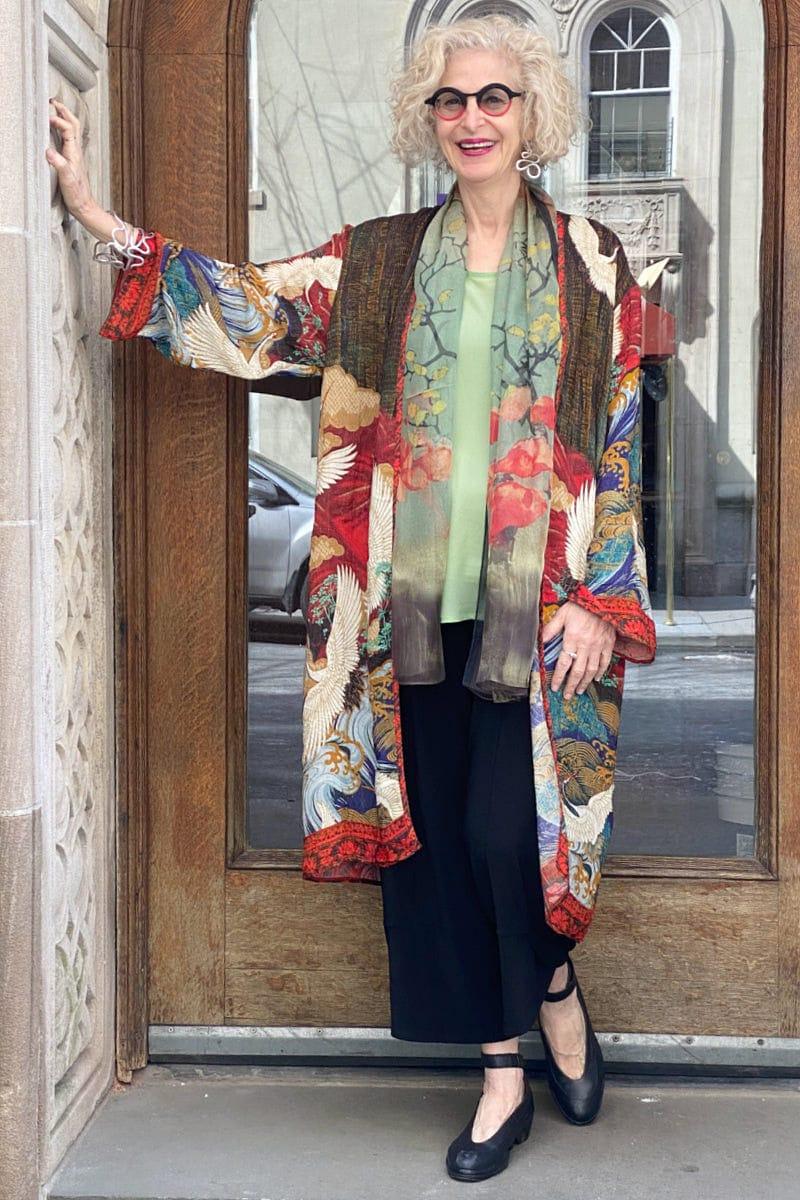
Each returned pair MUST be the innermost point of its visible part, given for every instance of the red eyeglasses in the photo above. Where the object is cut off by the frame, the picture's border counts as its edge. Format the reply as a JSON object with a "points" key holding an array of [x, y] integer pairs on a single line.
{"points": [[494, 99]]}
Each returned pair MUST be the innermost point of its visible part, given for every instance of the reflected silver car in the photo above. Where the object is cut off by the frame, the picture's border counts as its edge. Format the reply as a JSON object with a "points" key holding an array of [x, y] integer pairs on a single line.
{"points": [[281, 516]]}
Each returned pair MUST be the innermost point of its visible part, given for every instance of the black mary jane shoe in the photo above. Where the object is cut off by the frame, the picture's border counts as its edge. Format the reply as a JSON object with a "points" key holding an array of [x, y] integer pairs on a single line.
{"points": [[578, 1099], [472, 1161]]}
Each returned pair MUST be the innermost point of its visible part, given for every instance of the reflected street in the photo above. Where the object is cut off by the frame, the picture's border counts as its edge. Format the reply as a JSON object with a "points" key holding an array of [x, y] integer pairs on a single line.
{"points": [[685, 760]]}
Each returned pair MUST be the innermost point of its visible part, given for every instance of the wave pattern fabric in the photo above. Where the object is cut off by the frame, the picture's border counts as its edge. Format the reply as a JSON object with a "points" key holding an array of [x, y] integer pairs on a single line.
{"points": [[343, 310]]}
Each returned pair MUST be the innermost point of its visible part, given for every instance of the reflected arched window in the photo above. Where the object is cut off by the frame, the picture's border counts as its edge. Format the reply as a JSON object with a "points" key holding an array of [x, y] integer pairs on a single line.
{"points": [[629, 96]]}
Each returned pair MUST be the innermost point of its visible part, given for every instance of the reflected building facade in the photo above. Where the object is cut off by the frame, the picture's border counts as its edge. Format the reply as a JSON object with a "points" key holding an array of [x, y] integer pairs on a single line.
{"points": [[672, 162]]}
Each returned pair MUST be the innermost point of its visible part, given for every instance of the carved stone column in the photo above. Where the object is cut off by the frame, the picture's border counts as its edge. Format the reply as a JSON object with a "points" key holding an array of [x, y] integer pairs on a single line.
{"points": [[23, 766], [56, 697]]}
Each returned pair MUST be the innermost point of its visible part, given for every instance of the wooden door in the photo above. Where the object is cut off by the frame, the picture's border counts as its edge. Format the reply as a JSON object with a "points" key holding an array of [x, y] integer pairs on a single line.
{"points": [[215, 932]]}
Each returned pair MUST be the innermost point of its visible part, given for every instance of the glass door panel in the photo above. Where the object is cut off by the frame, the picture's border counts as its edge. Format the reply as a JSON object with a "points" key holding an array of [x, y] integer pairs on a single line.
{"points": [[689, 217]]}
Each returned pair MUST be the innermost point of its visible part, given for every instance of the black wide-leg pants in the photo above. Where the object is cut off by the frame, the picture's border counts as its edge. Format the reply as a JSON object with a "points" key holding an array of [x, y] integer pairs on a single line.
{"points": [[470, 953]]}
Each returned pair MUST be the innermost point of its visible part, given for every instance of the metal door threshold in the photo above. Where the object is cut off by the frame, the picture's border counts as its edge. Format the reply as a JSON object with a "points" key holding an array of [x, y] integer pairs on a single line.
{"points": [[657, 1053]]}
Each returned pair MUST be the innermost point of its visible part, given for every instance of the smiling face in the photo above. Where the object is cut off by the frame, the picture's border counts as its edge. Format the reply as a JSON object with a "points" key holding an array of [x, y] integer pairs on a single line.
{"points": [[480, 147]]}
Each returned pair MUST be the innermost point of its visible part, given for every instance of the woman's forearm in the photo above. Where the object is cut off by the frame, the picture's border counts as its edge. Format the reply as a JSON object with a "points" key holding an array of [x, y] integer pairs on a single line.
{"points": [[98, 222]]}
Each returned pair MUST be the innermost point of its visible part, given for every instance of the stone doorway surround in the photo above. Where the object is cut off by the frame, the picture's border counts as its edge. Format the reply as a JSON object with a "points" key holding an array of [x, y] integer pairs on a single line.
{"points": [[57, 790]]}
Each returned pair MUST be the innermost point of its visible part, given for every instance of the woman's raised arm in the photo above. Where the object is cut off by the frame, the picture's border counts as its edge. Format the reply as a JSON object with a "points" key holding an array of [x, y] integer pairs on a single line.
{"points": [[247, 319]]}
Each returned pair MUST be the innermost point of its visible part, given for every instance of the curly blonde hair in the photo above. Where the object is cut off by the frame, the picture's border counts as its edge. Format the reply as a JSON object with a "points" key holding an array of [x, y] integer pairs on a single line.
{"points": [[550, 115]]}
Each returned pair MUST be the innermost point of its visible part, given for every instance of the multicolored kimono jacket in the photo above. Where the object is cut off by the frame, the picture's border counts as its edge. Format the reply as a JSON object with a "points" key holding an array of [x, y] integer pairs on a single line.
{"points": [[342, 310]]}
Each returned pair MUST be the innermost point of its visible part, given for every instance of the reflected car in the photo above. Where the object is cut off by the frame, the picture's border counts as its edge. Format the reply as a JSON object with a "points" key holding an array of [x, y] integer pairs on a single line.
{"points": [[280, 519]]}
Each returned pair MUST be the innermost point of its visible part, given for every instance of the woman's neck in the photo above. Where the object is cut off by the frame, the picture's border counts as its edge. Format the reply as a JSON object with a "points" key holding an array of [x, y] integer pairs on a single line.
{"points": [[488, 211], [489, 206]]}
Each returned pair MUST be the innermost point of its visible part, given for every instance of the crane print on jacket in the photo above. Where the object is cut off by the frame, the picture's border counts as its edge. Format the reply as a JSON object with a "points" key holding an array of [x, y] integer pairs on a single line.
{"points": [[343, 310]]}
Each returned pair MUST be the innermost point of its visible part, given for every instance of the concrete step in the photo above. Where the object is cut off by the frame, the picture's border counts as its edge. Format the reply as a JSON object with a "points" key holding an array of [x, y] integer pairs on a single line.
{"points": [[364, 1133]]}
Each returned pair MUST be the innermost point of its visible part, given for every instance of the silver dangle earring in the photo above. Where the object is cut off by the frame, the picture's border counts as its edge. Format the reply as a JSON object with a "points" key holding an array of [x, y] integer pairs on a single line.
{"points": [[529, 164]]}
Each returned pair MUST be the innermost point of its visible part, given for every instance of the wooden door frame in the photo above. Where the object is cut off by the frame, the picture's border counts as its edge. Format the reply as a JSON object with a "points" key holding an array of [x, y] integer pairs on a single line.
{"points": [[171, 135]]}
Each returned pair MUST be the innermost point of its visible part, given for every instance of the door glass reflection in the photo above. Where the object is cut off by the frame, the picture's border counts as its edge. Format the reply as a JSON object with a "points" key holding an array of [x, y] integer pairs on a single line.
{"points": [[672, 163], [280, 514]]}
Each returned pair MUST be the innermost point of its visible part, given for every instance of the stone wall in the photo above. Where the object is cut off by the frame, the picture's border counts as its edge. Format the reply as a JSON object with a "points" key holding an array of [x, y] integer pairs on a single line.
{"points": [[56, 686]]}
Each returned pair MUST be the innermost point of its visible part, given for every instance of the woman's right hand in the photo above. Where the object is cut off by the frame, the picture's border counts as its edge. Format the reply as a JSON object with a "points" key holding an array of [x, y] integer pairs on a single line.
{"points": [[73, 178]]}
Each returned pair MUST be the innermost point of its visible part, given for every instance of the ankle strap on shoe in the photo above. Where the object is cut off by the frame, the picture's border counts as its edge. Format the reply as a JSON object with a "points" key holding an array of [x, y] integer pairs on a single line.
{"points": [[569, 986], [502, 1060]]}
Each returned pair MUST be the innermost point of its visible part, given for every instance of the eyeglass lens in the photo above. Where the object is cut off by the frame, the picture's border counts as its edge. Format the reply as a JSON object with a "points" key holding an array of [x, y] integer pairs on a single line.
{"points": [[494, 102]]}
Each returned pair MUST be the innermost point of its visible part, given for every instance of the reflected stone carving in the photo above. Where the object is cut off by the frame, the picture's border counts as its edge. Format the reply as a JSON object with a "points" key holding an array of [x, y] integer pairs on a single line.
{"points": [[645, 215], [639, 219], [564, 8]]}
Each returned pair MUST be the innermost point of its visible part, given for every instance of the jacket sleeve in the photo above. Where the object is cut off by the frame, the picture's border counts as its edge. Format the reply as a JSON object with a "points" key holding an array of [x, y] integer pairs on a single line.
{"points": [[615, 583], [250, 320]]}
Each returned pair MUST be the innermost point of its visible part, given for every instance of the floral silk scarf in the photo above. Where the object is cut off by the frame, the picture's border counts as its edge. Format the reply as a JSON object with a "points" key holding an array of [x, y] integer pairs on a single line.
{"points": [[526, 353]]}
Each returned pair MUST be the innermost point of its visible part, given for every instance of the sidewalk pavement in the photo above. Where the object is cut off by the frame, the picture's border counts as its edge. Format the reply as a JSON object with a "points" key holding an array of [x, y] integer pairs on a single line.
{"points": [[701, 622], [368, 1133], [708, 623]]}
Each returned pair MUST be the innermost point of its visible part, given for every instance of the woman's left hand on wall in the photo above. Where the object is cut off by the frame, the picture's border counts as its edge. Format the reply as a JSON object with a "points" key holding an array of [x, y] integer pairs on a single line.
{"points": [[590, 637], [73, 178]]}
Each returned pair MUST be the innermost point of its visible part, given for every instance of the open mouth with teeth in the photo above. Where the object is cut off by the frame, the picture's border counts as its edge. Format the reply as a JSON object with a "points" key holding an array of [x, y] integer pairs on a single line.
{"points": [[475, 146]]}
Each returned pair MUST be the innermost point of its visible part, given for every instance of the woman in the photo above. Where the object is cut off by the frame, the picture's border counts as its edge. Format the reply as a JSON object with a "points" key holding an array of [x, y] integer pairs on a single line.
{"points": [[477, 578]]}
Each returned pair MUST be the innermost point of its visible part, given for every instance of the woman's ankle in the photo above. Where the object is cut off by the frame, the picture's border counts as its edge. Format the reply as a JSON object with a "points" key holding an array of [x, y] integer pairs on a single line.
{"points": [[559, 978], [502, 1080], [509, 1046]]}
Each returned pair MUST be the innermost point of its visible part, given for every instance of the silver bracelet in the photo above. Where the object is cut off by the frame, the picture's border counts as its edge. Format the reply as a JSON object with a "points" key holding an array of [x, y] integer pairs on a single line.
{"points": [[128, 246]]}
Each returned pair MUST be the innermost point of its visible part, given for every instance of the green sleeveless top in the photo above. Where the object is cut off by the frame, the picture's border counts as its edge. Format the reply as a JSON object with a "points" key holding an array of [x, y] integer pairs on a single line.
{"points": [[470, 462]]}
